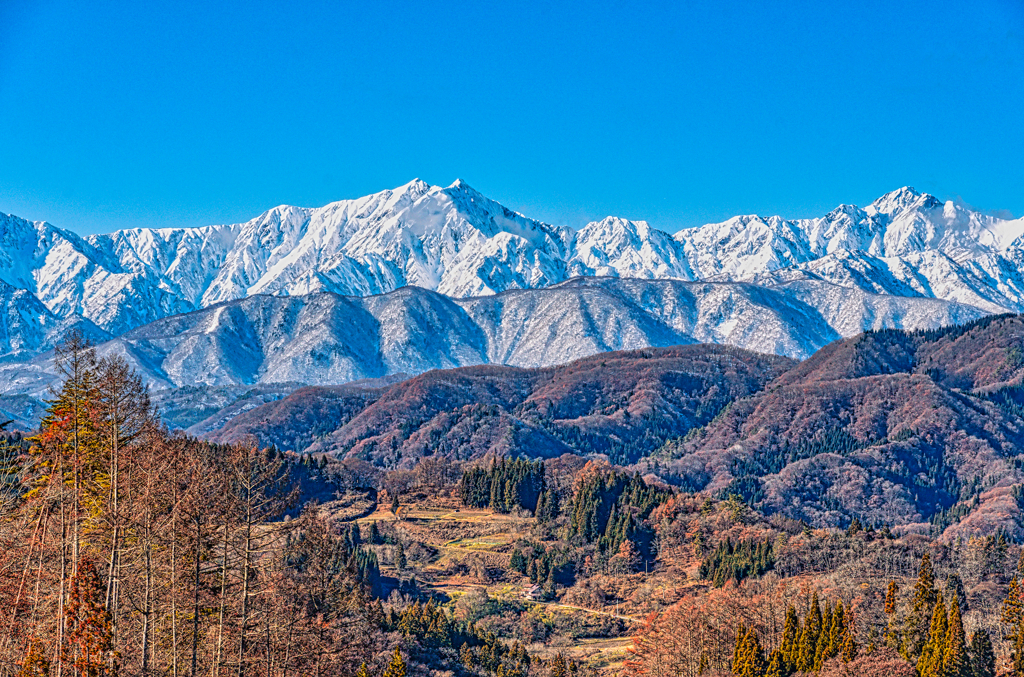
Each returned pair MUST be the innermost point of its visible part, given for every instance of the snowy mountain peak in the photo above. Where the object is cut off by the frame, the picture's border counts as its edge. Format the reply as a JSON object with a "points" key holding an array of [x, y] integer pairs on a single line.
{"points": [[458, 242], [902, 199]]}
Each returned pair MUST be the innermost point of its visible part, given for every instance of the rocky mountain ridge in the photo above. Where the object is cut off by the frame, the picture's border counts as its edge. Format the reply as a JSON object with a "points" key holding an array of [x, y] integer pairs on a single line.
{"points": [[326, 339], [457, 242]]}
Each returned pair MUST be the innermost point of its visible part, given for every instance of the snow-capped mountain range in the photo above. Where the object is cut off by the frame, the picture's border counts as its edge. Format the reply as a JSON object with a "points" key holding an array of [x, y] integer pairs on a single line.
{"points": [[459, 243], [425, 277]]}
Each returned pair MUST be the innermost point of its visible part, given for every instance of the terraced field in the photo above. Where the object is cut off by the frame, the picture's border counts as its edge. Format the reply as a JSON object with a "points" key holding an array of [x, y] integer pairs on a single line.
{"points": [[468, 551]]}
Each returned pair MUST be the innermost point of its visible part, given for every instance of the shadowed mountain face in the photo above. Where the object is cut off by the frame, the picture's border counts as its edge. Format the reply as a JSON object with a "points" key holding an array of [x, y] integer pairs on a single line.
{"points": [[889, 427], [326, 339]]}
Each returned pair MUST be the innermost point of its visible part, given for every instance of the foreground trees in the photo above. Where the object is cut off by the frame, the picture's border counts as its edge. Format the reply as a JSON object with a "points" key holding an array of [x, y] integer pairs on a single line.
{"points": [[127, 550]]}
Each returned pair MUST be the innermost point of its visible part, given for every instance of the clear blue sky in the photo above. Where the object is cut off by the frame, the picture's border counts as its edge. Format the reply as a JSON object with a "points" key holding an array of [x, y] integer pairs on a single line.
{"points": [[123, 114]]}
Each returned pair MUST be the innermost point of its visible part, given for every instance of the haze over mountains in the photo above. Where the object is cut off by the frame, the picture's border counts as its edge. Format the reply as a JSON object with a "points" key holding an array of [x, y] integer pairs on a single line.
{"points": [[308, 296]]}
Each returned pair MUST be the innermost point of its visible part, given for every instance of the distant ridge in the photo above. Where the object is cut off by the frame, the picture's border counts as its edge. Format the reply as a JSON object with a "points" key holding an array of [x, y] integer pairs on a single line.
{"points": [[459, 243]]}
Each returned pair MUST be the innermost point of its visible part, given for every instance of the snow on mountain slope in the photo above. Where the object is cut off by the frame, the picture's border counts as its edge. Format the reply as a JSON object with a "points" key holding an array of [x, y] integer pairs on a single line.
{"points": [[326, 338], [27, 327], [904, 243], [457, 242]]}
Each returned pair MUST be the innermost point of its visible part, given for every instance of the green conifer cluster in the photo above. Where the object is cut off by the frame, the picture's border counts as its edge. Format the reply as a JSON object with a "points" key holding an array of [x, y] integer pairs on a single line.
{"points": [[933, 631], [542, 566], [346, 554], [507, 486], [478, 648], [747, 559], [610, 507], [824, 634]]}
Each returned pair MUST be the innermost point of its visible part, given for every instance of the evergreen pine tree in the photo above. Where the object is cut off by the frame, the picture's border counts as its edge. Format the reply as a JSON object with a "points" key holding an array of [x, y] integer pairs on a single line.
{"points": [[518, 562], [930, 662], [809, 636], [1013, 605], [955, 662], [917, 631], [1017, 657], [789, 648], [754, 665], [396, 668], [822, 648], [848, 648], [891, 593], [837, 632], [983, 657], [400, 562], [776, 665], [549, 585]]}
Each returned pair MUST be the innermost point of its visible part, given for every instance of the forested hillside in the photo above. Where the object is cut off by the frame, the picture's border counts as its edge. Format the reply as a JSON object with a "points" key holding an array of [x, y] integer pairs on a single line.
{"points": [[918, 430], [622, 404], [891, 427]]}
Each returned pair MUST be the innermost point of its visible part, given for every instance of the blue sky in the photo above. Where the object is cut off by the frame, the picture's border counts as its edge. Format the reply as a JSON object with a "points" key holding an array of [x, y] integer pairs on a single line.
{"points": [[189, 113]]}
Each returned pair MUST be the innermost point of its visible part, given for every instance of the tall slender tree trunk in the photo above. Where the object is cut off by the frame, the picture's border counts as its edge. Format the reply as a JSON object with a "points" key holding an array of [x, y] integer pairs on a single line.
{"points": [[223, 600], [174, 583], [247, 562], [195, 598], [59, 649], [24, 577], [146, 611]]}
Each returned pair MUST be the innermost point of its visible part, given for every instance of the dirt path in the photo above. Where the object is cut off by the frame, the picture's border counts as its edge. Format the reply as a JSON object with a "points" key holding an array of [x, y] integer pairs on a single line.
{"points": [[631, 619]]}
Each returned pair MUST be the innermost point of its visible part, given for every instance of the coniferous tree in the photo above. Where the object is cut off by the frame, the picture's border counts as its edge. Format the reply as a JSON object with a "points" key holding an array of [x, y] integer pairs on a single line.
{"points": [[749, 661], [983, 657], [400, 562], [822, 647], [809, 636], [1013, 605], [776, 665], [396, 667], [1017, 653], [789, 649], [891, 593], [955, 661], [929, 664], [917, 630], [848, 649], [741, 635]]}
